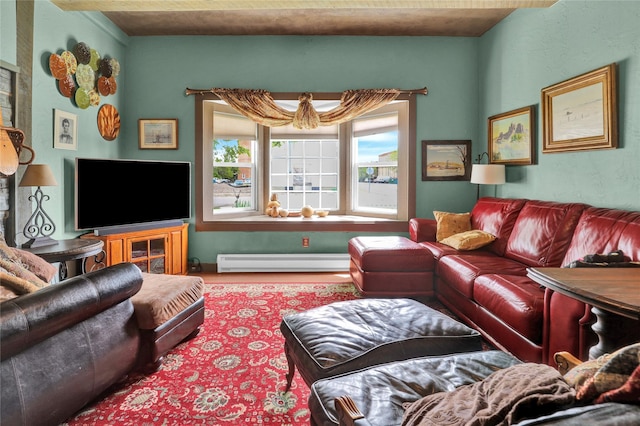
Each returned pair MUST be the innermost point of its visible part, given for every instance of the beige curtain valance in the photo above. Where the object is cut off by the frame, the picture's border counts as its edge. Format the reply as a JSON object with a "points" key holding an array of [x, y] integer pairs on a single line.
{"points": [[259, 106]]}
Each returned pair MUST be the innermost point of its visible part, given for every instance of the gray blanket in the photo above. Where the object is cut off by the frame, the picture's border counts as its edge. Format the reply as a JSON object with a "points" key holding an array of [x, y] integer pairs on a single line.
{"points": [[505, 397]]}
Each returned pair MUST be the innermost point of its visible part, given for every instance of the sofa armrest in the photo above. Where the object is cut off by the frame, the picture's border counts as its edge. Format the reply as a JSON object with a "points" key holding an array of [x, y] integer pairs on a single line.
{"points": [[422, 229], [32, 318], [565, 362], [348, 412]]}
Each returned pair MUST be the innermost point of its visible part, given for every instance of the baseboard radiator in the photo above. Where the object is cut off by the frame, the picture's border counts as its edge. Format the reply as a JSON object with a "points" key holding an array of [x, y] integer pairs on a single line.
{"points": [[313, 262]]}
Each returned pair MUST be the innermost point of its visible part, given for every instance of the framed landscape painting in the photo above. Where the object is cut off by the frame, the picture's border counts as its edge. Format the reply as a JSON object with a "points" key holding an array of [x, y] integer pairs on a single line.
{"points": [[512, 137], [581, 113], [158, 133], [446, 160]]}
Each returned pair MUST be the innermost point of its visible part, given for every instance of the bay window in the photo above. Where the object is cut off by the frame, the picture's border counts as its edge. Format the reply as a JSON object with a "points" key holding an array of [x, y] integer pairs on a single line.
{"points": [[361, 171]]}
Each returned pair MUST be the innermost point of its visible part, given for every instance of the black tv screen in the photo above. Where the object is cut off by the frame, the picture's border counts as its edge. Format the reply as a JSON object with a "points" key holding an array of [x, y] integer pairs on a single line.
{"points": [[112, 193]]}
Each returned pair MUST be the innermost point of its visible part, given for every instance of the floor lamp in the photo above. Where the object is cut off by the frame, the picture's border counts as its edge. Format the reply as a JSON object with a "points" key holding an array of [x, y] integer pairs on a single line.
{"points": [[39, 227], [487, 174]]}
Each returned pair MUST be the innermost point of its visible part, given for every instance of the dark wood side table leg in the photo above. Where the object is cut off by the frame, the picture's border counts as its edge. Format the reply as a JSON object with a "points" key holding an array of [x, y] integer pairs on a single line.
{"points": [[614, 331], [63, 272], [97, 262]]}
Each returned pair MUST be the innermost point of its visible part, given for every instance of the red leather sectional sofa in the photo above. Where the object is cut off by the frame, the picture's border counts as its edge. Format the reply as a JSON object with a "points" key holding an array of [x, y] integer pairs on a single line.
{"points": [[488, 288]]}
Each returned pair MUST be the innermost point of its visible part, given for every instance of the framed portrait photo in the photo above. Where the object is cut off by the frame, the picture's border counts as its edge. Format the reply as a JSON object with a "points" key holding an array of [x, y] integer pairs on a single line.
{"points": [[158, 133], [65, 130], [581, 113], [446, 160], [512, 137]]}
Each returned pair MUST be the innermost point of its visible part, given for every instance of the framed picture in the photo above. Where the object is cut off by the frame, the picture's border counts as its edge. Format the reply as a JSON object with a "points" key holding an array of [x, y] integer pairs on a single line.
{"points": [[512, 137], [158, 133], [446, 160], [581, 113], [65, 130]]}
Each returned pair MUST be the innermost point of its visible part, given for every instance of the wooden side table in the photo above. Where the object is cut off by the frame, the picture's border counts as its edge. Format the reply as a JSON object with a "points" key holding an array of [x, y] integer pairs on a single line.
{"points": [[74, 249], [613, 293]]}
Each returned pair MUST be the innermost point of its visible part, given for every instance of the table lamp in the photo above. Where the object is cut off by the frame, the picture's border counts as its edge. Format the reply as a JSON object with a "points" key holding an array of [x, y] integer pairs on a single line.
{"points": [[487, 174], [39, 227]]}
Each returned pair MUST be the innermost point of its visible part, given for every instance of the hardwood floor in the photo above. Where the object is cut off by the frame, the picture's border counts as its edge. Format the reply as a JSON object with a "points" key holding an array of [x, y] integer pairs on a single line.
{"points": [[275, 277]]}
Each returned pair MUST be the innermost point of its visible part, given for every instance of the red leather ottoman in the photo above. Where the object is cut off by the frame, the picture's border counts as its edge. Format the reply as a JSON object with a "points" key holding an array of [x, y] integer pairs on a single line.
{"points": [[391, 266]]}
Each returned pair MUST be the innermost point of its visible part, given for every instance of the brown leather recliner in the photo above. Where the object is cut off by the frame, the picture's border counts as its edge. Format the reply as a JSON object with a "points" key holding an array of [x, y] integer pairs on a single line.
{"points": [[63, 345]]}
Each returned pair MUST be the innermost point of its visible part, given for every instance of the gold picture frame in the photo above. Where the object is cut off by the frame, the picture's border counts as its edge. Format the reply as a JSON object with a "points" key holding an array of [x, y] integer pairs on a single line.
{"points": [[158, 133], [581, 113], [512, 137]]}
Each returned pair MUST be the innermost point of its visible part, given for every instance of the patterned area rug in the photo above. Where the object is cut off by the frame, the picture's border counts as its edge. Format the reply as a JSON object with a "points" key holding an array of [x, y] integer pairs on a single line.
{"points": [[232, 373]]}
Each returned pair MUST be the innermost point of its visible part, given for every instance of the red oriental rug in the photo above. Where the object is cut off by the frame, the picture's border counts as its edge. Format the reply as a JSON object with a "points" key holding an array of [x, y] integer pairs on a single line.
{"points": [[232, 373]]}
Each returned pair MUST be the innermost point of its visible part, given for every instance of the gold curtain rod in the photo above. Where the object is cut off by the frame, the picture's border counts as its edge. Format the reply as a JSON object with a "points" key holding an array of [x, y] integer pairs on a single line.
{"points": [[422, 91]]}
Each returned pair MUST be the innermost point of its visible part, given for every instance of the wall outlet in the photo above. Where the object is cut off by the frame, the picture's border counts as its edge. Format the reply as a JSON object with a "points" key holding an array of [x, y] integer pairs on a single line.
{"points": [[305, 241]]}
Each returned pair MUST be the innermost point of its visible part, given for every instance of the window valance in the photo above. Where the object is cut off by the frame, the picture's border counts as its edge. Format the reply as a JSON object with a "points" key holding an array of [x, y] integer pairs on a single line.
{"points": [[259, 105]]}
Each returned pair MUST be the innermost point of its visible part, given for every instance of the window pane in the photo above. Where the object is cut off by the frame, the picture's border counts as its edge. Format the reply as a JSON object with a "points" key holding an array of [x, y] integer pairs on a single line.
{"points": [[233, 172], [376, 161], [305, 172]]}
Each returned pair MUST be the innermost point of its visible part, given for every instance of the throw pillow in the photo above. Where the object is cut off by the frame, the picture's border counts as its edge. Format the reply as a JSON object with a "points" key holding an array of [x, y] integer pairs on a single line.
{"points": [[448, 224], [627, 393], [14, 275], [34, 263], [578, 375], [469, 240], [612, 375]]}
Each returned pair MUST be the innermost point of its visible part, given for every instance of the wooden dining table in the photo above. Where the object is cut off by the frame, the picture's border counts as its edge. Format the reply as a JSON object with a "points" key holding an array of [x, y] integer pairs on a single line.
{"points": [[613, 294]]}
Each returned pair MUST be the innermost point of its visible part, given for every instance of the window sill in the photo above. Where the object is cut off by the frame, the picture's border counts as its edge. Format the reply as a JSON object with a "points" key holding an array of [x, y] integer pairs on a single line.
{"points": [[331, 223]]}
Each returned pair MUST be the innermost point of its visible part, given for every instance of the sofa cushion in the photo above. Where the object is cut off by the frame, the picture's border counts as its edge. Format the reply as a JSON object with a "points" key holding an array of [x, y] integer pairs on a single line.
{"points": [[460, 271], [516, 300], [602, 230], [469, 240], [497, 217], [542, 233], [449, 224]]}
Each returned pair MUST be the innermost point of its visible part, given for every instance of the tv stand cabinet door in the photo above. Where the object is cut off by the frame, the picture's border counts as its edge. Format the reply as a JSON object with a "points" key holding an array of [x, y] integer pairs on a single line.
{"points": [[117, 246]]}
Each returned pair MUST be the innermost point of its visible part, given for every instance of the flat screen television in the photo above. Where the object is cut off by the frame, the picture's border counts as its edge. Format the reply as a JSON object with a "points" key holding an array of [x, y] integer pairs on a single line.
{"points": [[117, 193]]}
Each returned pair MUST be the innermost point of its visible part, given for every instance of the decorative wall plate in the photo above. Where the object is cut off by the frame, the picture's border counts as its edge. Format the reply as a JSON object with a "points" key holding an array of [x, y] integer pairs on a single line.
{"points": [[67, 86], [82, 98], [70, 61], [86, 77], [57, 66], [108, 122]]}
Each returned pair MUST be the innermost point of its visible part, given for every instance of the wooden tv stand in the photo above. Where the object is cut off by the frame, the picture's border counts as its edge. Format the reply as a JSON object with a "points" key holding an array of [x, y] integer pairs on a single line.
{"points": [[158, 250]]}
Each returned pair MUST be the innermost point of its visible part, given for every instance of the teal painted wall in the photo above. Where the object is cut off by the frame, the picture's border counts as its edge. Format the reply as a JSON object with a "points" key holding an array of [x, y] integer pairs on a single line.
{"points": [[161, 68], [469, 79], [8, 32], [535, 48], [55, 32]]}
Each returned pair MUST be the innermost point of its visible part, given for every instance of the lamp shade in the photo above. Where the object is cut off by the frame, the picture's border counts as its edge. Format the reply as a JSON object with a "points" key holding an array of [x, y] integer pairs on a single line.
{"points": [[38, 175], [488, 174]]}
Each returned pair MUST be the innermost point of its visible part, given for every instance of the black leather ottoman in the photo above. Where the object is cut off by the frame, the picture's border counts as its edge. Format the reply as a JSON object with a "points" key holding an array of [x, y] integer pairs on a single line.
{"points": [[380, 391], [347, 336]]}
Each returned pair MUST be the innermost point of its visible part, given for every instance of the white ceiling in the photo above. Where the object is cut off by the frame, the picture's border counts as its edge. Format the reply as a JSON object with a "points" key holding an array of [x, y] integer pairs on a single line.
{"points": [[470, 18]]}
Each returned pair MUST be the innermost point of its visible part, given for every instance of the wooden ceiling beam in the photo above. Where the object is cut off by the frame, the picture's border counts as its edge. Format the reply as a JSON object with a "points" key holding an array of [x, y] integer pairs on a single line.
{"points": [[199, 5]]}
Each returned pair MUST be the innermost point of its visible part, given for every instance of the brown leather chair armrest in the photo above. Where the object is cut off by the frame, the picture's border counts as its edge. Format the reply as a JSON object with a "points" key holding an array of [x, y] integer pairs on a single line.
{"points": [[348, 412], [565, 361]]}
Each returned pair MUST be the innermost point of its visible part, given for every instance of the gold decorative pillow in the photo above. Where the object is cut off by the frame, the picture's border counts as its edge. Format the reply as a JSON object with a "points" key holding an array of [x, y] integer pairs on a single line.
{"points": [[469, 240], [449, 224]]}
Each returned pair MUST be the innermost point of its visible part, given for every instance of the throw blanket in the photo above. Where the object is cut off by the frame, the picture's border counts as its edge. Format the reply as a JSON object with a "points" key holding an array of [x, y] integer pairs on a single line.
{"points": [[505, 397]]}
